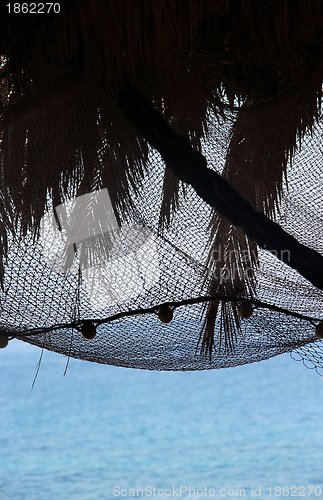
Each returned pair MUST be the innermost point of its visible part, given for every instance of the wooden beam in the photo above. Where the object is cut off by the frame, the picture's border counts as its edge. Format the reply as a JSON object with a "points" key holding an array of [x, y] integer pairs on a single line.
{"points": [[191, 167]]}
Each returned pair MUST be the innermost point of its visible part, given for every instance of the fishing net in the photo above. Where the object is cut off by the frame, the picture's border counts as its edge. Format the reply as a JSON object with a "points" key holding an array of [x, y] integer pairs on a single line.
{"points": [[111, 253]]}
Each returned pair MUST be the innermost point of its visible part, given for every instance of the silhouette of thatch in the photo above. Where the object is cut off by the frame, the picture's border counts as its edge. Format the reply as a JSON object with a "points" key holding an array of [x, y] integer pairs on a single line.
{"points": [[164, 104]]}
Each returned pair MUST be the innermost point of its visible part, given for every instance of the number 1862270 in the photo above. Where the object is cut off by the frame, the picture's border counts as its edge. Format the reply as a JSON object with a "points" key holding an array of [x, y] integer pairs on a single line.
{"points": [[33, 8], [294, 491]]}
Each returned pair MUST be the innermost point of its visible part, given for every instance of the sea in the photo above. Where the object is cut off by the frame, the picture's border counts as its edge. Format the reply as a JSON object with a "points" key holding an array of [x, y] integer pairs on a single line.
{"points": [[102, 432]]}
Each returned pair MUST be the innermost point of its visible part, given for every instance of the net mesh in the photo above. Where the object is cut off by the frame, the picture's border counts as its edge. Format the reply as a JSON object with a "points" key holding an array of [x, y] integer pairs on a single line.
{"points": [[119, 278]]}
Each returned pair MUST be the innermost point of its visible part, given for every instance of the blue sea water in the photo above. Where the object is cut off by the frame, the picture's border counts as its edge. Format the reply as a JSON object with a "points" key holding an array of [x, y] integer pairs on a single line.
{"points": [[102, 432]]}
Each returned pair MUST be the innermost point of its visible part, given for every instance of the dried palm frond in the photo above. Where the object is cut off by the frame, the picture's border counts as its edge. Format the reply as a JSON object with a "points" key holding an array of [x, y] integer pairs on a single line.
{"points": [[257, 170], [170, 198], [64, 148], [231, 264]]}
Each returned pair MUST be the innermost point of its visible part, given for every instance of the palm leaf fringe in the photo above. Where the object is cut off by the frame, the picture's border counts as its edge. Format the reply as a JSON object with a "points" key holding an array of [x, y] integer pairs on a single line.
{"points": [[256, 170], [169, 203], [64, 148]]}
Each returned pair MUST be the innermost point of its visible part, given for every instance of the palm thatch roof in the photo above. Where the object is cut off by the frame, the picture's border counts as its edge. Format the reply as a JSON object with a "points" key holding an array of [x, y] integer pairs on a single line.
{"points": [[87, 94]]}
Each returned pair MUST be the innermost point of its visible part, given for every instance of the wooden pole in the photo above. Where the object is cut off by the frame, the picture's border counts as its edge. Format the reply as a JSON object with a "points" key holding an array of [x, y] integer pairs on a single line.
{"points": [[191, 167]]}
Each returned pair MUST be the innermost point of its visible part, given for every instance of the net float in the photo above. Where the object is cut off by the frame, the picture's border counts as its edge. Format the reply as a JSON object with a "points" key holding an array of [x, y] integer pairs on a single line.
{"points": [[319, 330], [3, 341], [88, 330], [245, 309], [165, 314]]}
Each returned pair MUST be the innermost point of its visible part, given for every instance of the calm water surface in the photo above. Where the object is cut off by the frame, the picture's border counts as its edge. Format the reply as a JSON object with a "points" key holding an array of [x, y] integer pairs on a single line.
{"points": [[103, 432]]}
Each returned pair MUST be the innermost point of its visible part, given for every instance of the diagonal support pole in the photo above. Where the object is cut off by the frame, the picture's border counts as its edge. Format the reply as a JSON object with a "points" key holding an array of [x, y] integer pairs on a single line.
{"points": [[191, 167]]}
